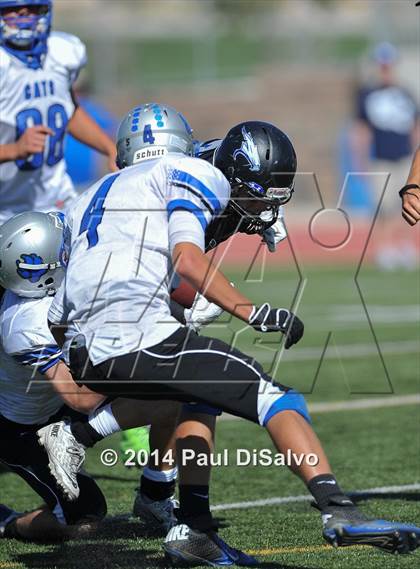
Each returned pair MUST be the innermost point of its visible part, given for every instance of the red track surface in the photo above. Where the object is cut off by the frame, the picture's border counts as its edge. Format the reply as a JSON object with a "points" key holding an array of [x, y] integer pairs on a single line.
{"points": [[318, 243]]}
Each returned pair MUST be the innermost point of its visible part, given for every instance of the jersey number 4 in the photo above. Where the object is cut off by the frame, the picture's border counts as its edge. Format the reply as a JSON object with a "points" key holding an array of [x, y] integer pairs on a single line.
{"points": [[57, 121], [92, 217]]}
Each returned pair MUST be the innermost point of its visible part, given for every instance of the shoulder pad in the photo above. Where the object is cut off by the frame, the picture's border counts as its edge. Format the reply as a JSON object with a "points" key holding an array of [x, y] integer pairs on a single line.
{"points": [[68, 50], [5, 59], [28, 325], [202, 173]]}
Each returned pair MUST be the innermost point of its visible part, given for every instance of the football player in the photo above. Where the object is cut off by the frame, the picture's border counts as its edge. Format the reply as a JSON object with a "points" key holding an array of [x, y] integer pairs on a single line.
{"points": [[270, 148], [35, 382], [26, 402], [127, 232], [37, 107]]}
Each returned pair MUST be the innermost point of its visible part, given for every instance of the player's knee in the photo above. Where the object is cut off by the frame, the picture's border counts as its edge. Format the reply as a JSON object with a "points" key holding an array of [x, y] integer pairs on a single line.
{"points": [[273, 401]]}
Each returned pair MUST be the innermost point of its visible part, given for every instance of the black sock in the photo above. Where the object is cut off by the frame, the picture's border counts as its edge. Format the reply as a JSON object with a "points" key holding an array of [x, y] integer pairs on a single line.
{"points": [[324, 488], [85, 434], [157, 491], [194, 507]]}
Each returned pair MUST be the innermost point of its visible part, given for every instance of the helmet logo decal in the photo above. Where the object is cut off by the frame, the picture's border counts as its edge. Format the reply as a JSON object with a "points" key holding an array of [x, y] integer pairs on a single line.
{"points": [[31, 274], [249, 151], [256, 187]]}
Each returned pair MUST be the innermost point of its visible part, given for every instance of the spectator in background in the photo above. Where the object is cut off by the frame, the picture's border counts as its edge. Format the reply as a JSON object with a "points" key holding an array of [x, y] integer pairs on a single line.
{"points": [[382, 140], [84, 165]]}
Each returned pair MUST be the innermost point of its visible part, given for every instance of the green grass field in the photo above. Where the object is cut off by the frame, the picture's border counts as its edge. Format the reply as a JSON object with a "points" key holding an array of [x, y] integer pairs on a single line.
{"points": [[369, 448]]}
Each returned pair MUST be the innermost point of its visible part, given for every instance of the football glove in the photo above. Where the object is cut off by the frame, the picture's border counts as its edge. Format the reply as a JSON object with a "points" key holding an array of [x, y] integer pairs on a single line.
{"points": [[201, 313], [267, 319], [275, 234]]}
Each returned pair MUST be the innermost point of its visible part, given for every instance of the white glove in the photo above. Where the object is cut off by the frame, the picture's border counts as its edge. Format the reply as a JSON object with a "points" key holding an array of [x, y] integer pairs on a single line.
{"points": [[276, 233], [201, 313]]}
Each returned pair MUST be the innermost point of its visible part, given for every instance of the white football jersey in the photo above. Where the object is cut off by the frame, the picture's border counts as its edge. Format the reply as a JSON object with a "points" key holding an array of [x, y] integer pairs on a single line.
{"points": [[123, 229], [27, 350], [30, 97]]}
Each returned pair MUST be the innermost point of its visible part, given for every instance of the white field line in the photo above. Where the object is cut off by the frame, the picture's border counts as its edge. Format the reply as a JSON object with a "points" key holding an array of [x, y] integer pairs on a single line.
{"points": [[355, 404], [394, 314], [307, 497], [338, 352]]}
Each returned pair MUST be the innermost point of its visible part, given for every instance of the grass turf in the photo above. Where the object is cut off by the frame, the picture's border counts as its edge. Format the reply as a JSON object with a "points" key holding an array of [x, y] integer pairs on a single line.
{"points": [[368, 448]]}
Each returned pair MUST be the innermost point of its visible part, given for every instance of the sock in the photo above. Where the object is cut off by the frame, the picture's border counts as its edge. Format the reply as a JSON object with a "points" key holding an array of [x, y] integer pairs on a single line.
{"points": [[160, 475], [85, 434], [194, 508], [104, 422], [325, 488], [156, 491]]}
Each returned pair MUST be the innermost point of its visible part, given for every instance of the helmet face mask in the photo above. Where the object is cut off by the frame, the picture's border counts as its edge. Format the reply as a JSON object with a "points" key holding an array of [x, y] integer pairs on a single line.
{"points": [[31, 250], [25, 35], [257, 214], [259, 161], [151, 131]]}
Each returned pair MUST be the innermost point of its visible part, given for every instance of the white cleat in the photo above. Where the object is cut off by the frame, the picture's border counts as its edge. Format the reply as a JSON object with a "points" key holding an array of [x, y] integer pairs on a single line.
{"points": [[65, 455], [157, 514]]}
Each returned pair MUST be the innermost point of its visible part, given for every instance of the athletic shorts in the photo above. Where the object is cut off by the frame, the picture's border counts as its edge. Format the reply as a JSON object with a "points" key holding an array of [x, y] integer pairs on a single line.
{"points": [[184, 367], [21, 453]]}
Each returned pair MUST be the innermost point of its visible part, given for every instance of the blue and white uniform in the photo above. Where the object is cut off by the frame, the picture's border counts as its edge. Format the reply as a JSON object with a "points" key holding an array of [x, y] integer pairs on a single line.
{"points": [[31, 97], [123, 230], [116, 293], [28, 402], [27, 350]]}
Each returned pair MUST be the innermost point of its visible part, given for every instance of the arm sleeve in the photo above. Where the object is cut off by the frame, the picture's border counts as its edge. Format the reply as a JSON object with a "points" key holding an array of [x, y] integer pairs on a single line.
{"points": [[35, 348], [42, 358], [185, 227], [197, 193]]}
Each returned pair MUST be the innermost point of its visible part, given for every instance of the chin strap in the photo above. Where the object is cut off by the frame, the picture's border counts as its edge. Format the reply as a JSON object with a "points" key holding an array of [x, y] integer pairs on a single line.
{"points": [[251, 224], [47, 266]]}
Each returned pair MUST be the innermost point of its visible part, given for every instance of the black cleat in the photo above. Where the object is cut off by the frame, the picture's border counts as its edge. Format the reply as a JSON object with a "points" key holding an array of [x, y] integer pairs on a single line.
{"points": [[187, 547]]}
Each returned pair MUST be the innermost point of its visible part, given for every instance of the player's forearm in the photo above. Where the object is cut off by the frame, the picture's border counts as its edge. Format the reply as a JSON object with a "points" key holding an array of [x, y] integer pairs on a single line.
{"points": [[8, 152], [86, 130], [191, 264], [414, 175], [79, 398]]}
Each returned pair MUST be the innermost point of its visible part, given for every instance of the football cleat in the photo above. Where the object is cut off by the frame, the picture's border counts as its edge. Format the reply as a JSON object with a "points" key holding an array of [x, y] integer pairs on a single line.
{"points": [[346, 525], [65, 456], [156, 514], [187, 547], [7, 515]]}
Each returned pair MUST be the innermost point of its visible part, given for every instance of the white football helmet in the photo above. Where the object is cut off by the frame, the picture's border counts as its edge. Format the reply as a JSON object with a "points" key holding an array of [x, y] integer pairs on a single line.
{"points": [[31, 251]]}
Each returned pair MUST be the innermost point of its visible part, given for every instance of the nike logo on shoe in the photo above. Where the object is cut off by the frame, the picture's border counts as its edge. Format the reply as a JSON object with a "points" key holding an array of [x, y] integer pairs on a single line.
{"points": [[178, 533]]}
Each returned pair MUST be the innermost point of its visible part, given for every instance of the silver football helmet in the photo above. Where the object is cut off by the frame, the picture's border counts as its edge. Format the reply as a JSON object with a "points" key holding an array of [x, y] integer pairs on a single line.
{"points": [[151, 131], [31, 247]]}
